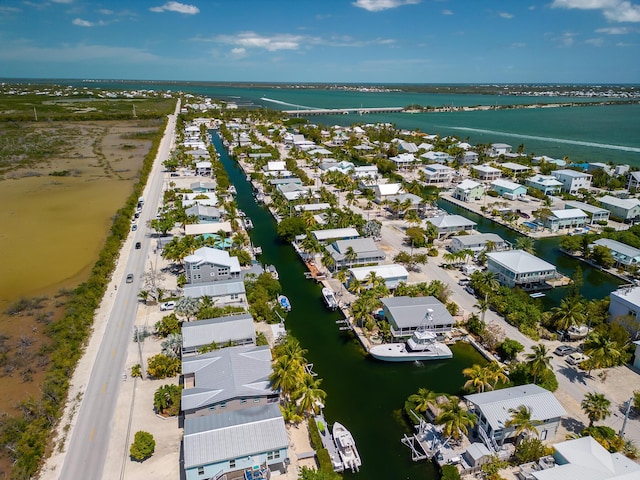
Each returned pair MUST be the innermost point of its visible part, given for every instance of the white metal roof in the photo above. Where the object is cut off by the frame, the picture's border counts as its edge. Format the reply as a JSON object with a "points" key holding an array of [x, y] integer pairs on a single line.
{"points": [[202, 228], [507, 184], [385, 271], [520, 261], [479, 238], [214, 289], [569, 213], [570, 173], [409, 312], [468, 185], [214, 256], [619, 247], [627, 203], [349, 232], [516, 167], [486, 169], [447, 221], [218, 330]]}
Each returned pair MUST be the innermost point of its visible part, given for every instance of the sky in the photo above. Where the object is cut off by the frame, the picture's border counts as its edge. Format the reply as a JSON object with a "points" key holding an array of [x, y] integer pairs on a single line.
{"points": [[334, 41]]}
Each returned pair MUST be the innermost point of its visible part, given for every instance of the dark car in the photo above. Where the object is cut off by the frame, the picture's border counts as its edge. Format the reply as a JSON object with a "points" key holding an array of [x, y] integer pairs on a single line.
{"points": [[138, 245], [130, 278], [563, 350]]}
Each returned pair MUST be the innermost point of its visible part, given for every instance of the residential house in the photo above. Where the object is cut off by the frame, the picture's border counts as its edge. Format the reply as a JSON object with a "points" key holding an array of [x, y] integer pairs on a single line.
{"points": [[437, 157], [625, 209], [487, 172], [312, 207], [414, 201], [208, 264], [633, 180], [408, 147], [584, 458], [366, 171], [468, 190], [469, 158], [437, 173], [625, 302], [276, 182], [572, 181], [196, 229], [403, 161], [332, 234], [568, 218], [596, 214], [624, 255], [243, 444], [217, 332], [517, 268], [498, 149], [364, 249], [447, 224], [392, 274], [383, 191], [222, 292], [514, 168], [636, 355], [203, 187], [227, 379], [478, 243], [406, 314], [547, 184], [509, 190], [208, 199], [203, 168], [204, 213], [330, 165], [292, 191]]}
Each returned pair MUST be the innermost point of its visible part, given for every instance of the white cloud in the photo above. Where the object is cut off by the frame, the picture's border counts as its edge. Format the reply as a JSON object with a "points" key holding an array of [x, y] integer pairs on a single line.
{"points": [[176, 7], [238, 52], [613, 10], [379, 5], [62, 1], [86, 23], [518, 45], [447, 12], [8, 10], [24, 51], [614, 30], [105, 11], [505, 15], [596, 42]]}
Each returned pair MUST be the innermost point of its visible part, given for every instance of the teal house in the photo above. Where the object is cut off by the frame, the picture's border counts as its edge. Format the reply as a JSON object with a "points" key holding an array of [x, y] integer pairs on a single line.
{"points": [[507, 189]]}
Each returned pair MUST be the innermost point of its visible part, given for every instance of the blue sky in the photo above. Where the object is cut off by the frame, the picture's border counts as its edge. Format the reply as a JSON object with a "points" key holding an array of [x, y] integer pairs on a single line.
{"points": [[374, 41]]}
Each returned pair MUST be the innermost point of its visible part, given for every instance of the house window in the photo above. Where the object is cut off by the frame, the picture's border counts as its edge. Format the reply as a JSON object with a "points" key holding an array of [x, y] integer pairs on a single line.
{"points": [[232, 463], [256, 400], [212, 407], [273, 455], [243, 401], [223, 405], [200, 470], [543, 435]]}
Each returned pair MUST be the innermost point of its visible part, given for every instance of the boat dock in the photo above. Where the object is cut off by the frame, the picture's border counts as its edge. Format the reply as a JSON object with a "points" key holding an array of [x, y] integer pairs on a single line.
{"points": [[327, 442]]}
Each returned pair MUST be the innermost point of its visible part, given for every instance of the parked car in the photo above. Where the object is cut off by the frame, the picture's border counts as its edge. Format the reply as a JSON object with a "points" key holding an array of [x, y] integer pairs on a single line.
{"points": [[470, 290], [576, 358], [167, 306], [138, 245], [464, 282], [563, 350], [134, 227], [130, 278]]}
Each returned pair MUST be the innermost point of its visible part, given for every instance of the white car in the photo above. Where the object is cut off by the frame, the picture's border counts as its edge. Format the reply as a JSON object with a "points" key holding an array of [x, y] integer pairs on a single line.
{"points": [[576, 358], [167, 306]]}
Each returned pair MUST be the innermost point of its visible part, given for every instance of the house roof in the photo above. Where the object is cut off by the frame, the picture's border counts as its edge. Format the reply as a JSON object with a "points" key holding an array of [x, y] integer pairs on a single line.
{"points": [[570, 173], [384, 271], [362, 246], [204, 210], [436, 167], [215, 257], [335, 233], [506, 184], [312, 207], [486, 169], [388, 188], [479, 238], [569, 213], [218, 330], [234, 434], [218, 288], [468, 185], [628, 294], [409, 312], [585, 207], [226, 374], [202, 228], [618, 247], [626, 203], [586, 459], [545, 180], [495, 404], [520, 261], [516, 167], [448, 221]]}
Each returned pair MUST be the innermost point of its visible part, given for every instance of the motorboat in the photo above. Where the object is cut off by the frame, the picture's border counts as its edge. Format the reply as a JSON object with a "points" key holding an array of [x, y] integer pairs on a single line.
{"points": [[423, 345], [577, 332], [330, 298], [271, 269], [346, 448], [232, 190], [284, 303], [248, 224]]}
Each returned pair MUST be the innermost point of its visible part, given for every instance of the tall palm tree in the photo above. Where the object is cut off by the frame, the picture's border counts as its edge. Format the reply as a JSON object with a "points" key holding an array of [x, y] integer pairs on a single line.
{"points": [[350, 255], [373, 281], [539, 360], [290, 347], [356, 287], [483, 305], [287, 375], [309, 395], [521, 420], [478, 378], [424, 399], [456, 419], [525, 243], [570, 312], [602, 351], [596, 406], [342, 275], [496, 373]]}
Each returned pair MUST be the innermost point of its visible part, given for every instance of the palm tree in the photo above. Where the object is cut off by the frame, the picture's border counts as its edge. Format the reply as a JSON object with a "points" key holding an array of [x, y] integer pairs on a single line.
{"points": [[373, 281], [290, 347], [521, 420], [602, 351], [424, 399], [596, 406], [456, 420], [570, 312], [309, 395], [342, 276], [539, 360], [287, 374], [497, 373], [355, 286], [483, 305], [350, 255], [526, 243], [478, 378]]}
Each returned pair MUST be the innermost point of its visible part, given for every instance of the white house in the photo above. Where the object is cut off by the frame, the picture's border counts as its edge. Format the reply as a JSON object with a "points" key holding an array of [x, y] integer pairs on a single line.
{"points": [[452, 223], [487, 172], [384, 190], [406, 314], [208, 264], [596, 214], [477, 243], [438, 173], [364, 250], [499, 149], [625, 209], [547, 184], [568, 218], [514, 168], [437, 157], [622, 253], [222, 292], [519, 268], [332, 234], [572, 181], [403, 161], [233, 329], [626, 302], [392, 274]]}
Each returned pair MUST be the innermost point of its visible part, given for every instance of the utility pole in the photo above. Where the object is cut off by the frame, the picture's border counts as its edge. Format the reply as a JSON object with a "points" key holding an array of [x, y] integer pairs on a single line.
{"points": [[139, 352], [626, 416], [35, 113]]}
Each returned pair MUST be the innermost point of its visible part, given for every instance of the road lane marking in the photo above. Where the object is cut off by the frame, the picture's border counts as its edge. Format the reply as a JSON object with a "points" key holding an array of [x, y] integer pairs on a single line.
{"points": [[113, 352], [93, 432], [104, 388]]}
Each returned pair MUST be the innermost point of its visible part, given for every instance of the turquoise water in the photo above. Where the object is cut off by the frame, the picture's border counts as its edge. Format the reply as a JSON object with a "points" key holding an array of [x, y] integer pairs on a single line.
{"points": [[363, 394]]}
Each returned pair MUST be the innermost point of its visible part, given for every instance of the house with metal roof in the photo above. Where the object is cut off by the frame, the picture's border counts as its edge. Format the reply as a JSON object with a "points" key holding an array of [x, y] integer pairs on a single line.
{"points": [[507, 189], [468, 190], [633, 180], [572, 181], [203, 168], [332, 234], [625, 209], [203, 187], [222, 292], [403, 161], [492, 412], [547, 184], [585, 459], [204, 213], [514, 168], [437, 173], [486, 172], [227, 379], [382, 191], [392, 274], [568, 218], [208, 264], [624, 255], [366, 171], [365, 250], [499, 149], [247, 443], [517, 268], [447, 224], [406, 314], [469, 158], [625, 302], [437, 157], [596, 214], [477, 243], [221, 331], [201, 198]]}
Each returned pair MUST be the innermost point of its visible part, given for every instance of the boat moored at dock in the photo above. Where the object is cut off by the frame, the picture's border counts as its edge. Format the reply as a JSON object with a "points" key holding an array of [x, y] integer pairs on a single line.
{"points": [[423, 345], [346, 445], [284, 303], [329, 298]]}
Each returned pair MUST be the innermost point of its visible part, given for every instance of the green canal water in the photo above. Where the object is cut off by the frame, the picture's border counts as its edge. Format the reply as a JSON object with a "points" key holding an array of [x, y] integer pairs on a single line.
{"points": [[363, 394]]}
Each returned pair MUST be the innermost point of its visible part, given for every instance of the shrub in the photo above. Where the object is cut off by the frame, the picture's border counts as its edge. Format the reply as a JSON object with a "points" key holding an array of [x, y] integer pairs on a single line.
{"points": [[136, 371], [530, 450], [509, 349], [161, 366], [324, 459], [142, 447], [475, 325], [450, 472]]}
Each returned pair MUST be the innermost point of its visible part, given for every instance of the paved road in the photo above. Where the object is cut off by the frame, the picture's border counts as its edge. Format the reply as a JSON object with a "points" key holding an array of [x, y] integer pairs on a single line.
{"points": [[85, 457]]}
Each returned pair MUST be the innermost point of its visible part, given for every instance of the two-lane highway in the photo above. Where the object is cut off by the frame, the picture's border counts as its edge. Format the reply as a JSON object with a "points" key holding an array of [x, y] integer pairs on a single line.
{"points": [[89, 439]]}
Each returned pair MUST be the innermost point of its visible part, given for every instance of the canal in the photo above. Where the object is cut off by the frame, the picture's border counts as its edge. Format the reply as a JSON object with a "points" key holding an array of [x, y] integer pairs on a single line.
{"points": [[596, 283], [363, 394]]}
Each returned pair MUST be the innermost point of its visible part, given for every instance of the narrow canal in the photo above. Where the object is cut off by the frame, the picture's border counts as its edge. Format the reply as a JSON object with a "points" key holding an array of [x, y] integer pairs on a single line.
{"points": [[364, 395]]}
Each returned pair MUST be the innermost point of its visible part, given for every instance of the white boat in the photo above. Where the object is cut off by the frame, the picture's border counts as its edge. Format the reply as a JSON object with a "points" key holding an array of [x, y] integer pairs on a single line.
{"points": [[423, 345], [577, 332], [346, 448], [232, 190], [271, 269], [330, 298], [248, 224], [284, 303]]}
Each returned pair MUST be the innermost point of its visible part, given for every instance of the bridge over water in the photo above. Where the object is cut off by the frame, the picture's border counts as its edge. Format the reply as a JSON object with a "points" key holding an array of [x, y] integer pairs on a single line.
{"points": [[341, 111]]}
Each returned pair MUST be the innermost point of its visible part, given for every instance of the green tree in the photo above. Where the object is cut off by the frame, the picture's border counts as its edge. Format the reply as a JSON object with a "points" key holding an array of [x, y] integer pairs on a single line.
{"points": [[166, 400], [538, 360], [162, 366], [525, 243], [531, 450], [143, 446], [509, 349], [570, 312], [521, 421], [456, 420], [423, 400], [168, 325], [596, 406], [602, 351], [289, 227], [309, 396], [479, 380], [602, 256]]}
